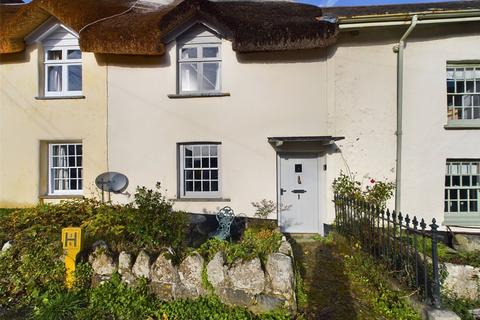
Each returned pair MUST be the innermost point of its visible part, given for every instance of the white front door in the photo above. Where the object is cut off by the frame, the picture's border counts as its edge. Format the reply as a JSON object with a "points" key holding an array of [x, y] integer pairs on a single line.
{"points": [[298, 193]]}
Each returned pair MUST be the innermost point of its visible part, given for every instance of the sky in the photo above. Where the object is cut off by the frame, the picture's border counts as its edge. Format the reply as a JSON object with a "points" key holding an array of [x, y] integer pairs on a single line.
{"points": [[331, 3]]}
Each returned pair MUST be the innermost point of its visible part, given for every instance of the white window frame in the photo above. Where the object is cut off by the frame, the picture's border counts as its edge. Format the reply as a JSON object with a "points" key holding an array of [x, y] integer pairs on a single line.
{"points": [[182, 180], [475, 95], [200, 61], [51, 168], [462, 165], [64, 63]]}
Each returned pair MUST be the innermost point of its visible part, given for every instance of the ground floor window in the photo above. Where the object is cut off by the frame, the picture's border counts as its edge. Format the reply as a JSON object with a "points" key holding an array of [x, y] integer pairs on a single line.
{"points": [[462, 186], [65, 174], [199, 170]]}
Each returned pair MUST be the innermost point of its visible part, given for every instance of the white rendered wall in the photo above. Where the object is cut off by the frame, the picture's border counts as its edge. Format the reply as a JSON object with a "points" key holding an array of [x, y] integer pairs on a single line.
{"points": [[272, 94]]}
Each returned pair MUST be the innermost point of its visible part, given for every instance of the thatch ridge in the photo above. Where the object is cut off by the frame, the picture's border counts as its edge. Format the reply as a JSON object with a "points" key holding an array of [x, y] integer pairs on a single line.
{"points": [[251, 26]]}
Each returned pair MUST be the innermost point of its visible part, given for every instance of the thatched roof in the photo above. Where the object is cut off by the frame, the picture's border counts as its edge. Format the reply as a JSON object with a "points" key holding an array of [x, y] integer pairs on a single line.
{"points": [[251, 26]]}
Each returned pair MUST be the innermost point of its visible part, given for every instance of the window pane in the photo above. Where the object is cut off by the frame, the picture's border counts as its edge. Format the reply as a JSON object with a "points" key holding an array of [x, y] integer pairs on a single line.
{"points": [[214, 174], [476, 113], [213, 163], [189, 77], [205, 151], [188, 162], [463, 206], [473, 206], [453, 194], [214, 186], [74, 54], [453, 206], [460, 87], [189, 174], [198, 174], [188, 151], [469, 74], [211, 76], [476, 100], [459, 73], [467, 113], [189, 186], [451, 86], [467, 100], [447, 181], [54, 55], [74, 78], [206, 186], [455, 180], [210, 52], [54, 78], [197, 186], [205, 163], [206, 174], [213, 150], [196, 151], [464, 194], [458, 101], [470, 86], [450, 72], [466, 181], [188, 53], [197, 163]]}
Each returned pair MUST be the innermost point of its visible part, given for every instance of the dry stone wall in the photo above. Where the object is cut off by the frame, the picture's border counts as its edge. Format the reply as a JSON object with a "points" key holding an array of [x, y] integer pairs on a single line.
{"points": [[251, 284]]}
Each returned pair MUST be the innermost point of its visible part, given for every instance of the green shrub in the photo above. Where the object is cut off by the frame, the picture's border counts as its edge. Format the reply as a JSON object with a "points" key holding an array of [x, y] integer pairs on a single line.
{"points": [[375, 193], [33, 265], [254, 243], [57, 305], [460, 306]]}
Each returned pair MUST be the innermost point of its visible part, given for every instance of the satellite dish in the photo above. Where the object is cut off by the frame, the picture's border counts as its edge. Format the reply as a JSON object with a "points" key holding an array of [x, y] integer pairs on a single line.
{"points": [[112, 182]]}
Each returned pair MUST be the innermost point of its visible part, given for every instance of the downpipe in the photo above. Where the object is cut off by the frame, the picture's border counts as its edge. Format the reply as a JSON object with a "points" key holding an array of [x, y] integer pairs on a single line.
{"points": [[399, 49]]}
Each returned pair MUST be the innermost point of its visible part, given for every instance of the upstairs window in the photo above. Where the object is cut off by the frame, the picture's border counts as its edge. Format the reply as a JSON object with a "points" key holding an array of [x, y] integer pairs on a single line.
{"points": [[463, 93], [199, 61], [63, 71]]}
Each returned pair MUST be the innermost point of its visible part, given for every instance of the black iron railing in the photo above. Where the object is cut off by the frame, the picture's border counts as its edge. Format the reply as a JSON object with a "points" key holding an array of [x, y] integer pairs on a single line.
{"points": [[407, 246]]}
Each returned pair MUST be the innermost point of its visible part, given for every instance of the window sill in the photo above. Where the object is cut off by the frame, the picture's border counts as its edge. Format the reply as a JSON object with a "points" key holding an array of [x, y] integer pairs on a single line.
{"points": [[201, 200], [463, 125], [462, 219], [198, 95], [60, 98], [61, 196]]}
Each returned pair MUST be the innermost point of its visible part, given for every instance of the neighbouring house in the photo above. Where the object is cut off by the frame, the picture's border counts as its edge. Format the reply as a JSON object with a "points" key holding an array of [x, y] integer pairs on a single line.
{"points": [[230, 102]]}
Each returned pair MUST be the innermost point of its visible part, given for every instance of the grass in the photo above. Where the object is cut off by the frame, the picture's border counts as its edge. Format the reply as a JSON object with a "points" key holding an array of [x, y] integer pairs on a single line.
{"points": [[342, 282]]}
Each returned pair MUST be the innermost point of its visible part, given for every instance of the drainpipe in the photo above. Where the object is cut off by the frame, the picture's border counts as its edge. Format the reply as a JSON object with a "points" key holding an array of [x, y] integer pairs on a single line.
{"points": [[399, 49]]}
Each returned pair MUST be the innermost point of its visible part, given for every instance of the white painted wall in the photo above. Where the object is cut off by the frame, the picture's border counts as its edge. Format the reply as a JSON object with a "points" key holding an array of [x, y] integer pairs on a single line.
{"points": [[26, 121], [364, 109], [272, 94]]}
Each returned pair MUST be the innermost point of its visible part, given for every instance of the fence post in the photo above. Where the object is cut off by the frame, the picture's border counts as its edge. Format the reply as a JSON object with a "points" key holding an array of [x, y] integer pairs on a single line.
{"points": [[423, 225], [407, 248], [415, 224], [436, 278]]}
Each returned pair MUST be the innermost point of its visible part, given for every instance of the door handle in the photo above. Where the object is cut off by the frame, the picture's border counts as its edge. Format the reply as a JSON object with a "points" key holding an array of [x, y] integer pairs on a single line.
{"points": [[282, 191], [299, 191]]}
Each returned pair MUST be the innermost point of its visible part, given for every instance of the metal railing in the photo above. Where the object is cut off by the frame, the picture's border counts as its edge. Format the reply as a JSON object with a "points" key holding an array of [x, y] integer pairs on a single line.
{"points": [[407, 246]]}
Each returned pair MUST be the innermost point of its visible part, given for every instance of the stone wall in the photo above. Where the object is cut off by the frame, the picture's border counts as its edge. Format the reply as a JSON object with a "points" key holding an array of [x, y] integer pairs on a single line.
{"points": [[259, 287], [463, 281]]}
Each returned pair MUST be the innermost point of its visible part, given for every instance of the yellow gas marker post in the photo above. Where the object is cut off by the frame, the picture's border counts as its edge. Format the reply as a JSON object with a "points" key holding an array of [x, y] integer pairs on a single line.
{"points": [[72, 244]]}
